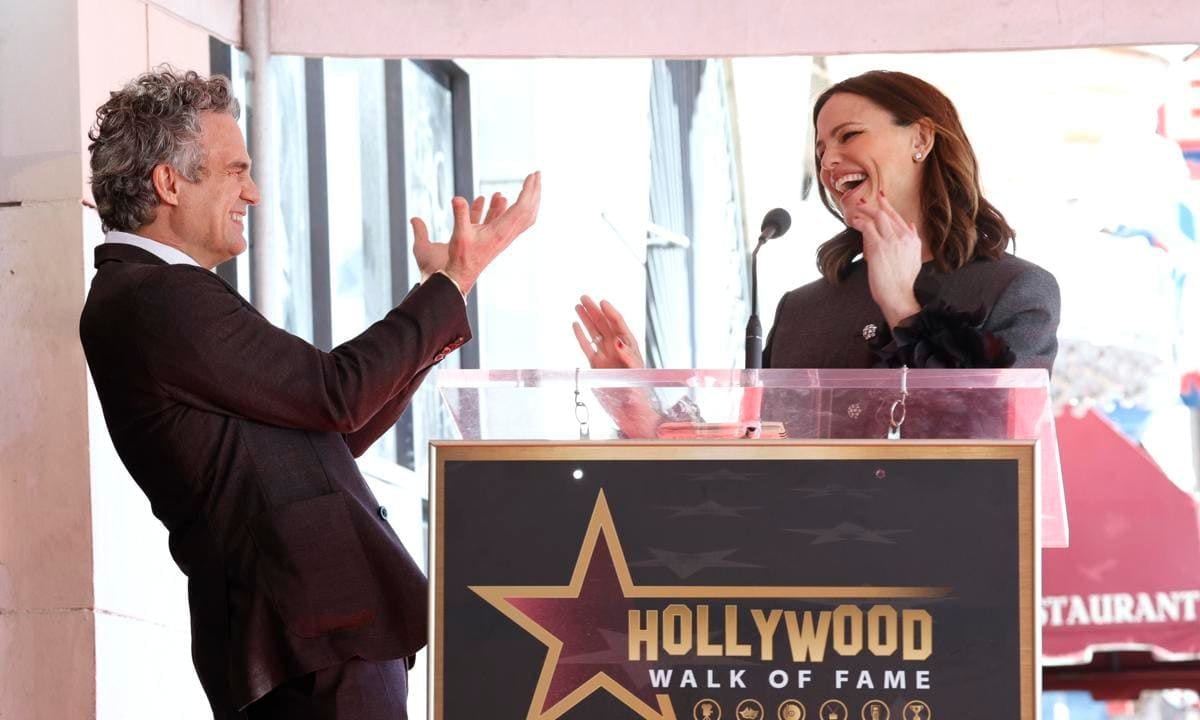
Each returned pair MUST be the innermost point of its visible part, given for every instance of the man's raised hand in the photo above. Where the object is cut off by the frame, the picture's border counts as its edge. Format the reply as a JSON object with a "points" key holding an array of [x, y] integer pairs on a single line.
{"points": [[475, 243]]}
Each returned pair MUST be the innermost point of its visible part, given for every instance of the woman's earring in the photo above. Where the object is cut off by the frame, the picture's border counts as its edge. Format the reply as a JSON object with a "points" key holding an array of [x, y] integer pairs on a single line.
{"points": [[917, 156]]}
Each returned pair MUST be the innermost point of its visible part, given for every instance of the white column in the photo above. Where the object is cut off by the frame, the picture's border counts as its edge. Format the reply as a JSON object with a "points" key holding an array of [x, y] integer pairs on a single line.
{"points": [[46, 624], [264, 265]]}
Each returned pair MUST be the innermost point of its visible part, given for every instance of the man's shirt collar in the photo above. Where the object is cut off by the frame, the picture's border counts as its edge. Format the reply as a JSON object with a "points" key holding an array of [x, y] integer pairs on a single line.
{"points": [[166, 253]]}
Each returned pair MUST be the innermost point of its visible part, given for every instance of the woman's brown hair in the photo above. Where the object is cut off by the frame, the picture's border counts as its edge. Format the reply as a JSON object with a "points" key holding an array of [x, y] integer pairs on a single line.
{"points": [[960, 224]]}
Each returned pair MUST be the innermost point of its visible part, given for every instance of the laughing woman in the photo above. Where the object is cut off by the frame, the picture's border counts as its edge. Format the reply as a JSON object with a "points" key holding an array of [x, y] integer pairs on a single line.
{"points": [[920, 275]]}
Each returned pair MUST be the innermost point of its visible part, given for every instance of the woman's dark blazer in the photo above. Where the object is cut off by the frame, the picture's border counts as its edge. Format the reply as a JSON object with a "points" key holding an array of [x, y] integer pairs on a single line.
{"points": [[823, 325]]}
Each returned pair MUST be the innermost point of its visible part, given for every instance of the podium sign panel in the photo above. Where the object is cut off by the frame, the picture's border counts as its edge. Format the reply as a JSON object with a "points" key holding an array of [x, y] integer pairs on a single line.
{"points": [[828, 580]]}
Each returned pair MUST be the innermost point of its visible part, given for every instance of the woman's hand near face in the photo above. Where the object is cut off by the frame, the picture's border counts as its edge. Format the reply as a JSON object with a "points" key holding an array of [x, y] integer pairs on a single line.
{"points": [[892, 248], [604, 337]]}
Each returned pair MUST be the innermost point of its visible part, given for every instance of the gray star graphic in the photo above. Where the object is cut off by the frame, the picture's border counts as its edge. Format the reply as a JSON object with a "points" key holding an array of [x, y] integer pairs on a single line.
{"points": [[848, 531], [724, 474], [708, 508], [684, 565], [837, 490]]}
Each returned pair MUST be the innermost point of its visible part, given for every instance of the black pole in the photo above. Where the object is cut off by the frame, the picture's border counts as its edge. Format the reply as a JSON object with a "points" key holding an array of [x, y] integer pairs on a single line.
{"points": [[754, 338]]}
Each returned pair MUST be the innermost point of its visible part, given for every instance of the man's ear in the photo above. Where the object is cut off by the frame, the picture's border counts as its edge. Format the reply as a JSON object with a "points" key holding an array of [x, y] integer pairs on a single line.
{"points": [[166, 183]]}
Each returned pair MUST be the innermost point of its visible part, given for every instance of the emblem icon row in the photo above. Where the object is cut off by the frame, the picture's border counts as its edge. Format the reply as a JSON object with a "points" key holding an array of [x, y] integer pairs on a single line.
{"points": [[749, 709]]}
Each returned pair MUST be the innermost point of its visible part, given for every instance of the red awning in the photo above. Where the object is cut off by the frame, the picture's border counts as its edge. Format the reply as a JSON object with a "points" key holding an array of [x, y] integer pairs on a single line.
{"points": [[1130, 580]]}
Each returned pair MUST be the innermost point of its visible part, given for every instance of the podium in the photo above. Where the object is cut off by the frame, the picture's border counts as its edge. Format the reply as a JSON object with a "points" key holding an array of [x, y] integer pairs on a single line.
{"points": [[878, 562]]}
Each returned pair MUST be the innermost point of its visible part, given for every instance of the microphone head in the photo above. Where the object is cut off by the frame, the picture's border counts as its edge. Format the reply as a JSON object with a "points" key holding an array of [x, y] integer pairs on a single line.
{"points": [[776, 223]]}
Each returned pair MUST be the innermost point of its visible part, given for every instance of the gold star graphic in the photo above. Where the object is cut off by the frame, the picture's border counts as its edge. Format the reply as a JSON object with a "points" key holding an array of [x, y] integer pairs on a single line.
{"points": [[570, 619]]}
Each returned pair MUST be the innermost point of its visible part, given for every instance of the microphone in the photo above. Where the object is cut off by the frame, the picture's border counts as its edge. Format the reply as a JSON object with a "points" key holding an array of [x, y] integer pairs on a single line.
{"points": [[775, 224]]}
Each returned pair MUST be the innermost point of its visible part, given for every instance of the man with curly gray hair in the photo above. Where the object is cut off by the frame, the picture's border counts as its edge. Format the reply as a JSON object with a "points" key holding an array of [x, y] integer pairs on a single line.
{"points": [[304, 603], [126, 148]]}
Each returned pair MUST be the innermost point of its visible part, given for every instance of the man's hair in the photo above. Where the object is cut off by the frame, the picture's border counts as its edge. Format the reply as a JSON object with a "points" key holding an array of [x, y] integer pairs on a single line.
{"points": [[154, 120], [960, 224]]}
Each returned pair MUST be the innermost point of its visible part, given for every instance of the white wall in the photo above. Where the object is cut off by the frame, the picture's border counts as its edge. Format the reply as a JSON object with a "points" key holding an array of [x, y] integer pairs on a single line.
{"points": [[46, 626], [93, 619], [46, 623]]}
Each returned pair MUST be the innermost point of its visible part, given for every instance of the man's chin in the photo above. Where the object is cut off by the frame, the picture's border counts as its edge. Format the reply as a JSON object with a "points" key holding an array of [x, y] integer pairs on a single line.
{"points": [[229, 251], [237, 246]]}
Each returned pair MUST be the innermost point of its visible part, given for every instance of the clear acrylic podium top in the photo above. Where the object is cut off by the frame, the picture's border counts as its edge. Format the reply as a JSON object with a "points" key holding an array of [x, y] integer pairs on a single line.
{"points": [[805, 404]]}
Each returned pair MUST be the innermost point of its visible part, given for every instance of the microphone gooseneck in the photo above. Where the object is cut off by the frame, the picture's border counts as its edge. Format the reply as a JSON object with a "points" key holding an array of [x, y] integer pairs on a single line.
{"points": [[774, 224]]}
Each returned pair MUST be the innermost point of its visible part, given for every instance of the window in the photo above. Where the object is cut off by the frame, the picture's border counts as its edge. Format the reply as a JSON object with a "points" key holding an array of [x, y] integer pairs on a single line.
{"points": [[432, 109], [697, 288], [364, 144]]}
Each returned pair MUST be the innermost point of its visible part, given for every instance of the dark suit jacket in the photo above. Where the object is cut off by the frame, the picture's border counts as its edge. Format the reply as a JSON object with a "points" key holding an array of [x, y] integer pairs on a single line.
{"points": [[243, 438]]}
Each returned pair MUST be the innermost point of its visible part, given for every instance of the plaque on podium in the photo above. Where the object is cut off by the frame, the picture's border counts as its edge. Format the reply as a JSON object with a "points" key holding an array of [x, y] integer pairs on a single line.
{"points": [[587, 564]]}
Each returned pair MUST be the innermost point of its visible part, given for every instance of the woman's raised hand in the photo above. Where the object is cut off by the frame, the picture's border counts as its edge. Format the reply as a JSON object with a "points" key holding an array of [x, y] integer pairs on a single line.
{"points": [[892, 248], [604, 337]]}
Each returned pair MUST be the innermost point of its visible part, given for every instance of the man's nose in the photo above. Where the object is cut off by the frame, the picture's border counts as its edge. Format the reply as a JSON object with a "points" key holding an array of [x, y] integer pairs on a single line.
{"points": [[250, 192]]}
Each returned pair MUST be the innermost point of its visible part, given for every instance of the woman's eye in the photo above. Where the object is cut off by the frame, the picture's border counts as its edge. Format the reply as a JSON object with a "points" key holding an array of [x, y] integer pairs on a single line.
{"points": [[849, 134]]}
